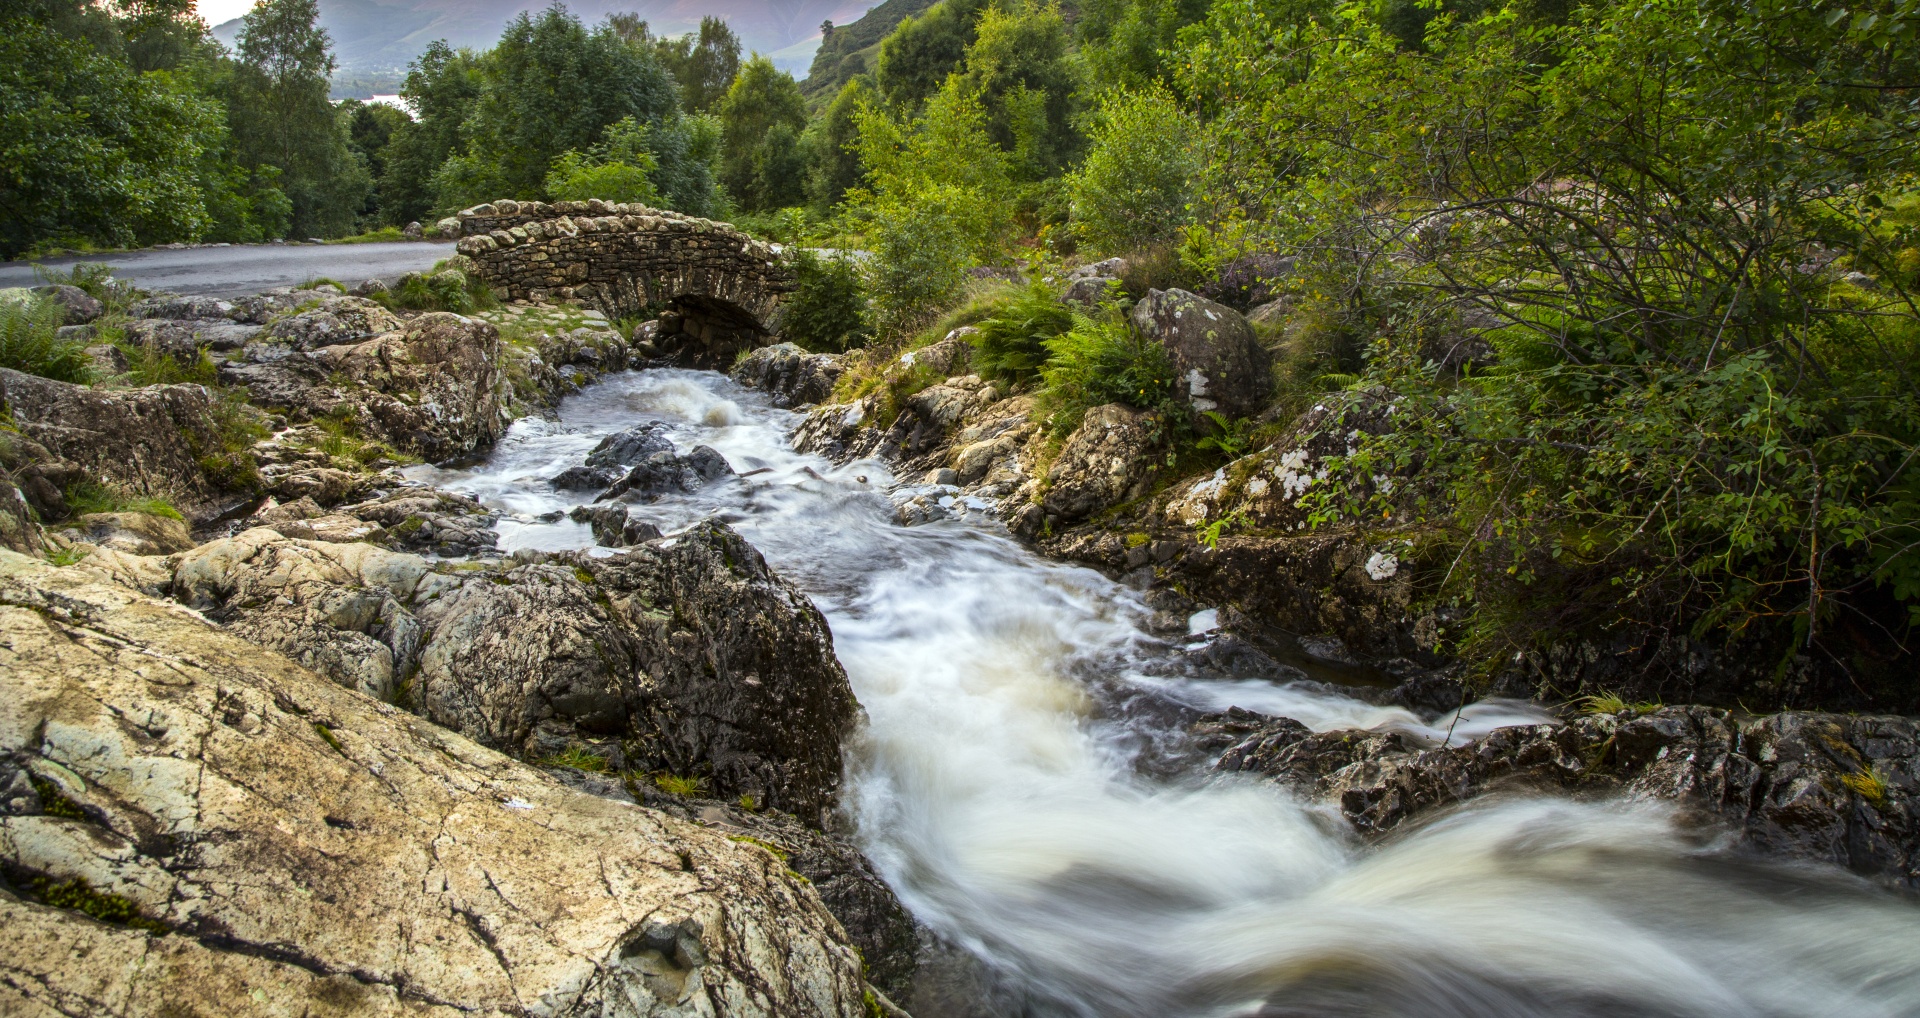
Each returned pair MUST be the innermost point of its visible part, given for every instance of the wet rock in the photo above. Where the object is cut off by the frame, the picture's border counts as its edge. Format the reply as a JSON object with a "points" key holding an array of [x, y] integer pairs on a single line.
{"points": [[133, 533], [586, 478], [633, 445], [663, 473], [159, 441], [1836, 788], [790, 375], [1108, 460], [77, 306], [691, 654], [612, 527], [356, 851], [1219, 364]]}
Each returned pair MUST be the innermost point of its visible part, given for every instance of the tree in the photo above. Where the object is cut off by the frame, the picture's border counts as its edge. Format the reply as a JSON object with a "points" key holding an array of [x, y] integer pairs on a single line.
{"points": [[619, 169], [761, 119], [550, 87], [830, 145], [93, 151], [370, 131], [1126, 42], [443, 87], [1137, 182], [916, 57], [705, 65], [937, 203], [280, 116], [1020, 64]]}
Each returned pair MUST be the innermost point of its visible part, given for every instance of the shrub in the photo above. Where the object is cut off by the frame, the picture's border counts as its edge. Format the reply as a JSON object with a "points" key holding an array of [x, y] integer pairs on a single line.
{"points": [[1103, 360], [620, 168], [30, 342], [1137, 182], [443, 289], [1012, 344], [827, 311]]}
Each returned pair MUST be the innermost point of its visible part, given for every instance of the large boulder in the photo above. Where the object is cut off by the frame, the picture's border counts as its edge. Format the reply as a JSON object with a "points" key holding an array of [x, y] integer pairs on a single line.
{"points": [[162, 441], [201, 827], [1837, 788], [666, 473], [687, 656], [790, 375], [434, 389], [1219, 364], [185, 338], [331, 321], [1108, 460], [77, 307]]}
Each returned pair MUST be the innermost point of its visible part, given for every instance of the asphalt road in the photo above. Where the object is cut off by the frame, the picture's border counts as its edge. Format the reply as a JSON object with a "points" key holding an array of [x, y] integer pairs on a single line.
{"points": [[241, 269]]}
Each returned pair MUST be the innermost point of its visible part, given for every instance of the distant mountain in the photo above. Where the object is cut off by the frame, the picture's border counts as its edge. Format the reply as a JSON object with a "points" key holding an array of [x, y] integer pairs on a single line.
{"points": [[373, 36]]}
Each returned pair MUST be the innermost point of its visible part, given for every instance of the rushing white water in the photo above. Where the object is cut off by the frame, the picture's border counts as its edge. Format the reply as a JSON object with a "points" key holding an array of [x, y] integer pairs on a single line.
{"points": [[1000, 786]]}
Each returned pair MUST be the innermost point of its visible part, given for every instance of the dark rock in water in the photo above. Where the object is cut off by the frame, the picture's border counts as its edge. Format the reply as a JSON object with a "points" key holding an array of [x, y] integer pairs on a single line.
{"points": [[1835, 788], [625, 448], [585, 478], [612, 527], [665, 473], [789, 374]]}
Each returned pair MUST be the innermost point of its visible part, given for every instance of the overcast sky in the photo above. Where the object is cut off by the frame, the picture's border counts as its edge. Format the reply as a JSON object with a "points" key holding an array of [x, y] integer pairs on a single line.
{"points": [[218, 11]]}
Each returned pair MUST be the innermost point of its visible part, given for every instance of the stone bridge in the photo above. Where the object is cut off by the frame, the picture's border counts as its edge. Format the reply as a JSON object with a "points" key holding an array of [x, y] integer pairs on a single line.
{"points": [[714, 289]]}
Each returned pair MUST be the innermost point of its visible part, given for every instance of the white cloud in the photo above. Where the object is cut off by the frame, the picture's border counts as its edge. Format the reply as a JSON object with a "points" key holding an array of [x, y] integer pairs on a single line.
{"points": [[216, 12]]}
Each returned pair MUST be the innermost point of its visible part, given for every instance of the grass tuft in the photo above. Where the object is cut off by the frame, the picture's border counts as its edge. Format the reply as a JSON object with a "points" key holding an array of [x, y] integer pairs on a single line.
{"points": [[674, 784]]}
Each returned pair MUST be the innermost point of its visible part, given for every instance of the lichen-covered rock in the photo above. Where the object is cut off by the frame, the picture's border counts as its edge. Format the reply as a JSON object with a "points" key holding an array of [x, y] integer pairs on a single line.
{"points": [[1218, 363], [332, 321], [423, 519], [312, 851], [876, 922], [133, 533], [174, 306], [434, 389], [185, 338], [1837, 788], [790, 375], [1108, 460], [687, 656], [158, 441]]}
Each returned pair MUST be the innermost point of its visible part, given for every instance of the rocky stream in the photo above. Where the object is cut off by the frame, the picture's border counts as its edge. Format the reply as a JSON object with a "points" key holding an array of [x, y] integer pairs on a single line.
{"points": [[694, 694]]}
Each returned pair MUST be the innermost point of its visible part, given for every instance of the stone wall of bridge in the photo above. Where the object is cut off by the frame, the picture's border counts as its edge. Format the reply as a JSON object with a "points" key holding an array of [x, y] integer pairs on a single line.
{"points": [[713, 289]]}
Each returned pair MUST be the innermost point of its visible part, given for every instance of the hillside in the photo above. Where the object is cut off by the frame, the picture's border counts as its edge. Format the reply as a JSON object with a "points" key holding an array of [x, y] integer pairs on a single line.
{"points": [[850, 50], [373, 36]]}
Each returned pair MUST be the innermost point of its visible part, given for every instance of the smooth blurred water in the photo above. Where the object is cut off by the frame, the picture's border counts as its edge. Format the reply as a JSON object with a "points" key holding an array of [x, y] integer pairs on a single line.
{"points": [[1000, 788]]}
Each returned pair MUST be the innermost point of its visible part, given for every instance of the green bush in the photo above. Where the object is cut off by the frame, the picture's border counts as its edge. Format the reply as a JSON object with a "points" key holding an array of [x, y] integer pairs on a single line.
{"points": [[1136, 185], [1102, 360], [443, 289], [1012, 345], [618, 169], [827, 311], [29, 342]]}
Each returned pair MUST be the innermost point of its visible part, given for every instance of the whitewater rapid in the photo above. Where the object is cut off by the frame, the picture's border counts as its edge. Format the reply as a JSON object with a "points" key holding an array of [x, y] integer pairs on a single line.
{"points": [[1013, 786]]}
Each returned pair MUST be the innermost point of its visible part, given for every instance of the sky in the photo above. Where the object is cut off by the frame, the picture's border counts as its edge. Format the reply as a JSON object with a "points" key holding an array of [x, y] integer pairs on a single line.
{"points": [[215, 12]]}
